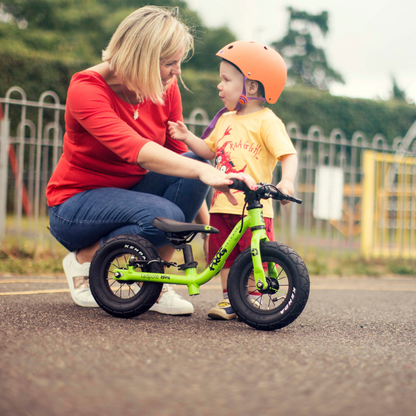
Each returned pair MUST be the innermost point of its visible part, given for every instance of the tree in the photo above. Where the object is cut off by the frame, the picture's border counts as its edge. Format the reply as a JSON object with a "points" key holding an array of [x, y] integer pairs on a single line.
{"points": [[78, 30], [397, 93], [207, 44], [53, 29], [306, 63]]}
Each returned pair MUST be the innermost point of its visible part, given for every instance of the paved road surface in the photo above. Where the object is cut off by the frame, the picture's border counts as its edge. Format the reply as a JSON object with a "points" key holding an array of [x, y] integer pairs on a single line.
{"points": [[351, 352]]}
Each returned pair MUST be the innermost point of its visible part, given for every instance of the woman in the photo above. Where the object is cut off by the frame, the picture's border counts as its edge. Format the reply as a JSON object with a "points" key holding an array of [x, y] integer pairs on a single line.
{"points": [[120, 168]]}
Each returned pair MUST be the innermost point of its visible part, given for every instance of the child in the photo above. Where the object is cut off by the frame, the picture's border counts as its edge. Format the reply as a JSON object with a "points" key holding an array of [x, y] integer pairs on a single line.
{"points": [[249, 138]]}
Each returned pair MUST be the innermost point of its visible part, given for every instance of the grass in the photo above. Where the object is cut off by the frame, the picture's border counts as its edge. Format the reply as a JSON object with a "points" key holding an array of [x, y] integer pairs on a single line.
{"points": [[30, 261], [46, 260]]}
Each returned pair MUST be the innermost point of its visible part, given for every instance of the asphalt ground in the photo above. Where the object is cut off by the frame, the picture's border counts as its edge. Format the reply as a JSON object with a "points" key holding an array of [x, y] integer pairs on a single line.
{"points": [[351, 352]]}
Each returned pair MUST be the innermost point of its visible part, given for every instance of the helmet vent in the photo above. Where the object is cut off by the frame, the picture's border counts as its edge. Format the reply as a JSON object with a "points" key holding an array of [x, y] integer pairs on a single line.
{"points": [[230, 47], [266, 48]]}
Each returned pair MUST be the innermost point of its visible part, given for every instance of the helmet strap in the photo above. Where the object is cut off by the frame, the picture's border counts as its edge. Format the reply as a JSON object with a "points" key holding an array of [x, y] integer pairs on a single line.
{"points": [[211, 126], [243, 99]]}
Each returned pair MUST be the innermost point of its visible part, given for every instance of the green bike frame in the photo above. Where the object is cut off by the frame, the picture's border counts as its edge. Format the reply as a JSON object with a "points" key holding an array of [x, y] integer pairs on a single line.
{"points": [[254, 220]]}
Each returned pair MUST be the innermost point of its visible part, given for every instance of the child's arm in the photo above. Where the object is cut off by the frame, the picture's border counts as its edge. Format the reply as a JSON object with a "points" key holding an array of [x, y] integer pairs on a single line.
{"points": [[289, 168], [178, 131]]}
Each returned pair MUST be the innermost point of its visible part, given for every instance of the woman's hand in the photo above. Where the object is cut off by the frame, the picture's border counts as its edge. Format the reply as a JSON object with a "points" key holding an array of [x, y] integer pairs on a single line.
{"points": [[220, 181], [178, 130]]}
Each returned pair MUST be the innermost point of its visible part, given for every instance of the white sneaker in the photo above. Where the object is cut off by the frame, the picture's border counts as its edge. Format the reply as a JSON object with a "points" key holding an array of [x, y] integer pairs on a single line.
{"points": [[77, 275], [170, 303]]}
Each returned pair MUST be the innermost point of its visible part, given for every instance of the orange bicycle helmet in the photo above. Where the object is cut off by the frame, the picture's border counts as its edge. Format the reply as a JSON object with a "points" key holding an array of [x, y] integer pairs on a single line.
{"points": [[258, 63]]}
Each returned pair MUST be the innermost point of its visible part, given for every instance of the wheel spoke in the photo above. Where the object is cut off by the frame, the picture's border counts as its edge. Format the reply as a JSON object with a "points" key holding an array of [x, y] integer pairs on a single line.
{"points": [[279, 286], [117, 290]]}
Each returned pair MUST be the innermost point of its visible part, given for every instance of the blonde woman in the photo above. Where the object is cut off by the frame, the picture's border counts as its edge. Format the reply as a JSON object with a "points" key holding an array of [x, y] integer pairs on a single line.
{"points": [[120, 168]]}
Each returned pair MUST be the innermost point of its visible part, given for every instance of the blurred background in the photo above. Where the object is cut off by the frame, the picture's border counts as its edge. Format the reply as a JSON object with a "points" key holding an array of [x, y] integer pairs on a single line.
{"points": [[349, 107]]}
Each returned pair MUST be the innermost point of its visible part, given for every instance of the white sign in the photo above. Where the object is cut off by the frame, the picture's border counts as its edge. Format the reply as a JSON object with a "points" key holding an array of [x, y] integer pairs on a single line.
{"points": [[329, 186]]}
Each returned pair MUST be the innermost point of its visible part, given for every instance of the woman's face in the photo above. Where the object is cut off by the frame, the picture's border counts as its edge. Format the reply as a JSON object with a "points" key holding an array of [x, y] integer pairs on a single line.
{"points": [[171, 67], [231, 85]]}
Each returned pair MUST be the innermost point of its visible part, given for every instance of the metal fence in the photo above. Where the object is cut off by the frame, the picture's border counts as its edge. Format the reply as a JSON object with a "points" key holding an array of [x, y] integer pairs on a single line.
{"points": [[329, 180], [389, 206]]}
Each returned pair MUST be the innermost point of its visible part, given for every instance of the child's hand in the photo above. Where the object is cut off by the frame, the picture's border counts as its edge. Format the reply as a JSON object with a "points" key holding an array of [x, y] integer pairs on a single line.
{"points": [[178, 130], [287, 187]]}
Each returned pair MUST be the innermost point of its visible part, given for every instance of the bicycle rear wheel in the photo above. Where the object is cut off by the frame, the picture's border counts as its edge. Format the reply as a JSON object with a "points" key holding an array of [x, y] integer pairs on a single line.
{"points": [[124, 300], [286, 296]]}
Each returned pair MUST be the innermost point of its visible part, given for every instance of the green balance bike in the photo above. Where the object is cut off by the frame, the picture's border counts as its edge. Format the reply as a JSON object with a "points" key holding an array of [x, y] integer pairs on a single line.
{"points": [[127, 273]]}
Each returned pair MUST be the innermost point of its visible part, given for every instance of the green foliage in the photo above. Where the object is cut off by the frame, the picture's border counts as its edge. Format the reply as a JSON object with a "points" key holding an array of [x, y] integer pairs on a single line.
{"points": [[209, 43], [349, 264], [397, 93], [203, 90], [306, 63], [79, 30], [308, 106], [36, 73], [54, 28], [15, 260], [406, 268]]}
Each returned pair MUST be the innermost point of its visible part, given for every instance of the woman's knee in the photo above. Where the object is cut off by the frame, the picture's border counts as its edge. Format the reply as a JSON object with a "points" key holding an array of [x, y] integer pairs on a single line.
{"points": [[168, 210]]}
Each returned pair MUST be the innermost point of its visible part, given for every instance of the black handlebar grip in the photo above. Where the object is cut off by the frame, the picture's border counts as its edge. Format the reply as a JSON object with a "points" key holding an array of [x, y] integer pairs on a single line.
{"points": [[280, 196], [240, 185], [293, 199]]}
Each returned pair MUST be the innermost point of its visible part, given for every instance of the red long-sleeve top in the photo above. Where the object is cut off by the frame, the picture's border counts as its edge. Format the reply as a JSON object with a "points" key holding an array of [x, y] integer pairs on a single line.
{"points": [[102, 140]]}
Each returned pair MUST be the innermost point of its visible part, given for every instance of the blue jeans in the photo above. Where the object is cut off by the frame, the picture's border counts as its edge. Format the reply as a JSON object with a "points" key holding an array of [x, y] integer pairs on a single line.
{"points": [[102, 213]]}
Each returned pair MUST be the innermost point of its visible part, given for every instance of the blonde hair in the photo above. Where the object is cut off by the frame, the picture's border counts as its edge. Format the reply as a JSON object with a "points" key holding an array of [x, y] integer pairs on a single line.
{"points": [[142, 42]]}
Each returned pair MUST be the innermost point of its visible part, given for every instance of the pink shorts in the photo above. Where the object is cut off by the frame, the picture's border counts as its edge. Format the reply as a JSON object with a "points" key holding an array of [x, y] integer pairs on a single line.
{"points": [[225, 223]]}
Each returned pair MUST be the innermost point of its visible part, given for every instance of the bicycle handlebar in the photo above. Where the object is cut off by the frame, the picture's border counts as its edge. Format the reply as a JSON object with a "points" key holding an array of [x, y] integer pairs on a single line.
{"points": [[264, 190], [239, 185]]}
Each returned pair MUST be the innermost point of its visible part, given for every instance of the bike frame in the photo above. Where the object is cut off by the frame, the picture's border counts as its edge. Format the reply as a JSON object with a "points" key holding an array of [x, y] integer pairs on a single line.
{"points": [[254, 220]]}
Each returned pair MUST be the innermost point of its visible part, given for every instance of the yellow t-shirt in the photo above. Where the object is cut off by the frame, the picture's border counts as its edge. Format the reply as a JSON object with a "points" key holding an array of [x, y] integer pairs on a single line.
{"points": [[252, 144]]}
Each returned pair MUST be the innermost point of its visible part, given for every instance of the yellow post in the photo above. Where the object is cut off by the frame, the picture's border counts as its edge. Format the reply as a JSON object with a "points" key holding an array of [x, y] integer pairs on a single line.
{"points": [[368, 203]]}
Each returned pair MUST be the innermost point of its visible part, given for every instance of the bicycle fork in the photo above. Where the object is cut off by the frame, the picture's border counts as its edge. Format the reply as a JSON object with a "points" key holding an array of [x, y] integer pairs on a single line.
{"points": [[259, 234]]}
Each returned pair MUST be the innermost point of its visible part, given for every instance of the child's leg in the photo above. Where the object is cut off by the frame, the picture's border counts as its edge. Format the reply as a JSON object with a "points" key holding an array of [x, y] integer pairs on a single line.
{"points": [[251, 288], [224, 280], [223, 310]]}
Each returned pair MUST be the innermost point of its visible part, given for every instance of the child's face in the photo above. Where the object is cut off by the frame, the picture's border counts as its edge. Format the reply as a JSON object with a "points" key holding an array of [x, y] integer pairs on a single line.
{"points": [[231, 85]]}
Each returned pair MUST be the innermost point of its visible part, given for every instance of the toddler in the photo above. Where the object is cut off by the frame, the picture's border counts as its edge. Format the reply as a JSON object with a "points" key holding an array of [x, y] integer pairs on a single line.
{"points": [[244, 137]]}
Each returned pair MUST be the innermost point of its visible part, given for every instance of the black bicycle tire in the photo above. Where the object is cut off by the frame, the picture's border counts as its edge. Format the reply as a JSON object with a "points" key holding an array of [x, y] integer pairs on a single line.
{"points": [[149, 292], [295, 301]]}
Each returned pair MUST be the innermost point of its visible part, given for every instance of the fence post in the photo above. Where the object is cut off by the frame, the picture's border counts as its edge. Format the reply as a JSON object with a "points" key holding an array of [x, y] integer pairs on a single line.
{"points": [[4, 152], [368, 204]]}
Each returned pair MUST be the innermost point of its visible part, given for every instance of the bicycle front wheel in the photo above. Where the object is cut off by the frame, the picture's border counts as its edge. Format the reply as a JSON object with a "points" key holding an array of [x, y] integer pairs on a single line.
{"points": [[287, 293], [124, 300]]}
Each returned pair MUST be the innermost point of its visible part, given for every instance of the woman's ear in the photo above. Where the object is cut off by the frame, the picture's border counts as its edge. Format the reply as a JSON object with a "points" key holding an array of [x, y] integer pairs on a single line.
{"points": [[252, 87]]}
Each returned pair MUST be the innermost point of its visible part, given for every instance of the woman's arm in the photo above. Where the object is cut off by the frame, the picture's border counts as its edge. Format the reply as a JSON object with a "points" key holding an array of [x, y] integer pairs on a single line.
{"points": [[158, 159]]}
